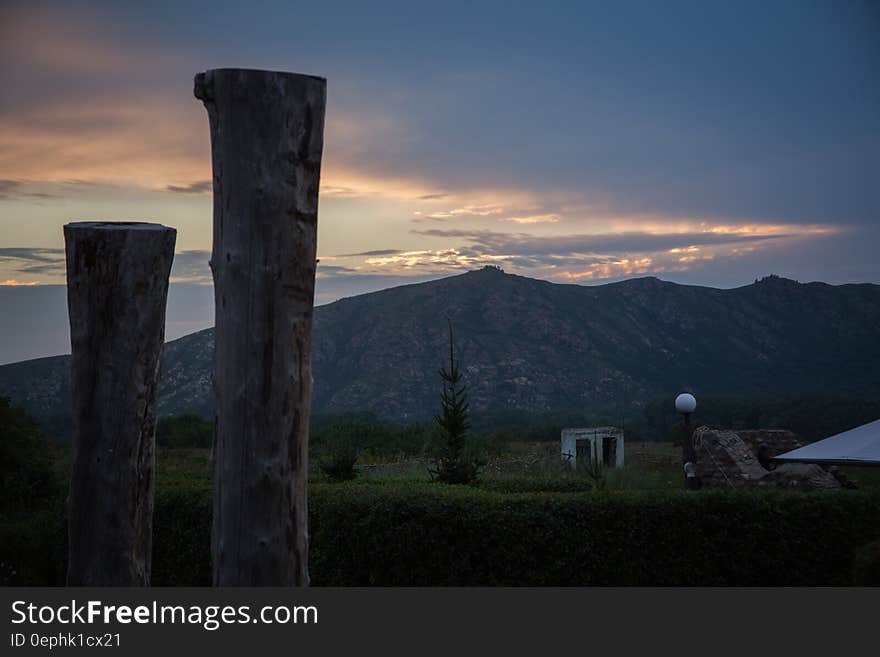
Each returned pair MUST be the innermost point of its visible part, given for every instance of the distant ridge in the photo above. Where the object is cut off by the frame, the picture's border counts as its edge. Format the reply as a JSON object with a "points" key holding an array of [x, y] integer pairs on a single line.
{"points": [[533, 345]]}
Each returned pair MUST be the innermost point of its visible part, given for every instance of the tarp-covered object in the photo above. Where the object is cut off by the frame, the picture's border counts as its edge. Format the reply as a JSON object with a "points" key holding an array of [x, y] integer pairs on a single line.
{"points": [[859, 446]]}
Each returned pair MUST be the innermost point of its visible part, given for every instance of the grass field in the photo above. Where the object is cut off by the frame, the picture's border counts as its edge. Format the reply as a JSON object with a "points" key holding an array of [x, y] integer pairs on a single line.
{"points": [[524, 466], [649, 466]]}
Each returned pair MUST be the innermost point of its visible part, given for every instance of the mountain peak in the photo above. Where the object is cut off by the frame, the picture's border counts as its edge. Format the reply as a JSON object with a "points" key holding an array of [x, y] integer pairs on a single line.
{"points": [[488, 270], [774, 279], [642, 282]]}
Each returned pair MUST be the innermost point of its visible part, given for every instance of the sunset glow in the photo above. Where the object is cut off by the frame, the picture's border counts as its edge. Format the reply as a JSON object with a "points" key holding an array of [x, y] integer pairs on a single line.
{"points": [[593, 183]]}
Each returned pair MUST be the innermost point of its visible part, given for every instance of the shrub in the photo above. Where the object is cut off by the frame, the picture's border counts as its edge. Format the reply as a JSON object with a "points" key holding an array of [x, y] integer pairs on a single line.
{"points": [[376, 438], [395, 533], [339, 464], [182, 537], [185, 430], [866, 567], [33, 547], [26, 473], [531, 484], [402, 534]]}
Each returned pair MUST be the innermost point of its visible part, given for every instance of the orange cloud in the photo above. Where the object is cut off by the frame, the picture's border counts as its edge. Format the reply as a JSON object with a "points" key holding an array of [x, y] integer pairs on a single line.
{"points": [[11, 282], [451, 258], [534, 219], [142, 142], [613, 269]]}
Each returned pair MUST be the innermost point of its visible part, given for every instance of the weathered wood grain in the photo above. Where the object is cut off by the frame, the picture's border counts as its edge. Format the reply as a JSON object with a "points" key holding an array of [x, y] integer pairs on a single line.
{"points": [[266, 141], [117, 286]]}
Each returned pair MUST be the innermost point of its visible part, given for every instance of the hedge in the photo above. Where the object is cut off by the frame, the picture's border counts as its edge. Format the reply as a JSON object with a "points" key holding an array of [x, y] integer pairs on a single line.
{"points": [[396, 534], [425, 535]]}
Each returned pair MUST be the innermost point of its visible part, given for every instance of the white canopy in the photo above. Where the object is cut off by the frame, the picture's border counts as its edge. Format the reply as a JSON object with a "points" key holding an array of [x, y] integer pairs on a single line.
{"points": [[859, 446]]}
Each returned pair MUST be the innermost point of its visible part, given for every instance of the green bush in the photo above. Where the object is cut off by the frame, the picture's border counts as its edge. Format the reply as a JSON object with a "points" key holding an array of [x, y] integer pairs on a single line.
{"points": [[866, 568], [339, 463], [182, 537], [185, 430], [378, 439], [33, 547], [26, 460], [556, 483], [421, 535], [392, 532]]}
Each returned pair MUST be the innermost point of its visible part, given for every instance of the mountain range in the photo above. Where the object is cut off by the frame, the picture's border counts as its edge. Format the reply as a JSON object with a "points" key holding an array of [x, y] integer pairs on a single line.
{"points": [[532, 345]]}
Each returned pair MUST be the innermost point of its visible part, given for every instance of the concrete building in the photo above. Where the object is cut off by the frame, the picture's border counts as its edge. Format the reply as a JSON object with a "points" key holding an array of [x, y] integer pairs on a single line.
{"points": [[580, 446]]}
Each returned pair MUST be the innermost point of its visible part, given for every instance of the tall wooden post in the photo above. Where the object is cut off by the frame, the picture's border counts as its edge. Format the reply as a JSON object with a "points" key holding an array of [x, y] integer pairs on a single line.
{"points": [[117, 285], [266, 142]]}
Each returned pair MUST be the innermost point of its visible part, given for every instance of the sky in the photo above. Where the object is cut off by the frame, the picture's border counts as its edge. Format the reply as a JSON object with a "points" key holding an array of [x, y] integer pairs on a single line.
{"points": [[704, 142]]}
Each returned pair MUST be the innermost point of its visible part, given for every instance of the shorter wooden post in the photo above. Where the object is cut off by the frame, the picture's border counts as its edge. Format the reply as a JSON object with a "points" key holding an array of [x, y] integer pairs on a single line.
{"points": [[117, 285]]}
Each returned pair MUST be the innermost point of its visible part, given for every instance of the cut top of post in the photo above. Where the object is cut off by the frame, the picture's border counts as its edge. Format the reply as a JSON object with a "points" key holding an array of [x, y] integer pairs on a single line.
{"points": [[203, 82], [115, 225], [259, 71]]}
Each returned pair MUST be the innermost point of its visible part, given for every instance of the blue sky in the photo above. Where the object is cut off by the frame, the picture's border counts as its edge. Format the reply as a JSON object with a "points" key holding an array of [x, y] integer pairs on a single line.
{"points": [[701, 142]]}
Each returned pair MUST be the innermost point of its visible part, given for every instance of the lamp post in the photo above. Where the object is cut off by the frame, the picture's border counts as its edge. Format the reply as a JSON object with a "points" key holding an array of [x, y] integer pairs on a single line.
{"points": [[686, 404]]}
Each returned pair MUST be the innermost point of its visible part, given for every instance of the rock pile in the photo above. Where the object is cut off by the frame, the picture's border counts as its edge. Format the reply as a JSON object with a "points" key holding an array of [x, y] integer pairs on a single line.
{"points": [[725, 460], [728, 459], [776, 441], [800, 476]]}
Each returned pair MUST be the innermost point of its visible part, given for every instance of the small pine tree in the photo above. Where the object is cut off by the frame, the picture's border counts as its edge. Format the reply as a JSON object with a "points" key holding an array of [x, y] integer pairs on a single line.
{"points": [[453, 465]]}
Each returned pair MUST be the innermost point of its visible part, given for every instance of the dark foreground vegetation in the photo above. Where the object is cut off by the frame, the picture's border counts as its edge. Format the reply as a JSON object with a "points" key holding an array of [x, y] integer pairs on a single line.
{"points": [[509, 529], [522, 523], [417, 533]]}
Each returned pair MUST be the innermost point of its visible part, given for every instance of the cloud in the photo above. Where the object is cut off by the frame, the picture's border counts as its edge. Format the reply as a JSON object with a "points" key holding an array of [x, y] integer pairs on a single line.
{"points": [[466, 211], [58, 268], [11, 282], [582, 257], [45, 41], [577, 257], [379, 252], [91, 101], [192, 267], [434, 260], [334, 270], [138, 141], [37, 254], [188, 267], [48, 190], [200, 187], [8, 187], [494, 242], [19, 265], [621, 159], [533, 219], [16, 189], [339, 191]]}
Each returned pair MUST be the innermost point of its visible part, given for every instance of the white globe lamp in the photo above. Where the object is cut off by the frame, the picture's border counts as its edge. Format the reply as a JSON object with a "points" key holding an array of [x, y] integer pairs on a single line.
{"points": [[685, 403]]}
